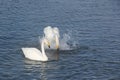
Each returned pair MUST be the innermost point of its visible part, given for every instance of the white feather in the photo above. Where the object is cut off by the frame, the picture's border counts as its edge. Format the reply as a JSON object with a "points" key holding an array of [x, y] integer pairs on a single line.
{"points": [[50, 34]]}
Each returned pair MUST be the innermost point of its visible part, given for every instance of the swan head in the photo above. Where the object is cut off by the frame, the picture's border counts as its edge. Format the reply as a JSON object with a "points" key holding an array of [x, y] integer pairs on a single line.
{"points": [[46, 42]]}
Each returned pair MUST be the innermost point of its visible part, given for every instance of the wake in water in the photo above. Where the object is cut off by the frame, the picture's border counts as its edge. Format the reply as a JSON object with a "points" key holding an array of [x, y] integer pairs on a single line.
{"points": [[66, 41]]}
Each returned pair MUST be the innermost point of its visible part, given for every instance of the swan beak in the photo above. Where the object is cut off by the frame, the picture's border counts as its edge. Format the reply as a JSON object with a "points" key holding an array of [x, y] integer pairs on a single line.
{"points": [[49, 46], [57, 47], [47, 43]]}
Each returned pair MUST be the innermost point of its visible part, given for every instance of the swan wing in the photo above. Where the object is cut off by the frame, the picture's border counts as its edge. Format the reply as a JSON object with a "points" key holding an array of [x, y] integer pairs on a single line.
{"points": [[32, 53], [48, 31], [56, 31]]}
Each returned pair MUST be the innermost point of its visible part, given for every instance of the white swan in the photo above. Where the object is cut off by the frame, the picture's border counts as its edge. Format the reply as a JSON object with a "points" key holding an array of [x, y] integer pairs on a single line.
{"points": [[52, 34], [35, 54]]}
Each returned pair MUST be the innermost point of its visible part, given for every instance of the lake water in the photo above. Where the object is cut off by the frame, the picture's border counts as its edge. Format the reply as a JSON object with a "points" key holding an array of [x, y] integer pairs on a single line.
{"points": [[90, 28]]}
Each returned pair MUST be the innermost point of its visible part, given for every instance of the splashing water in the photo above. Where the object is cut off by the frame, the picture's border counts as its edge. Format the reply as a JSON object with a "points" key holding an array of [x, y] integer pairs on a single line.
{"points": [[66, 42]]}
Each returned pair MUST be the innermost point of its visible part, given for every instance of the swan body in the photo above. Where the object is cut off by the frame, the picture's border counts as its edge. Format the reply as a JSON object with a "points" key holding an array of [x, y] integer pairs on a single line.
{"points": [[52, 34], [35, 54]]}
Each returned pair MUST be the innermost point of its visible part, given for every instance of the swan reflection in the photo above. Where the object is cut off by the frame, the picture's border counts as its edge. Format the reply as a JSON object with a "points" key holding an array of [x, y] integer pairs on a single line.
{"points": [[41, 69]]}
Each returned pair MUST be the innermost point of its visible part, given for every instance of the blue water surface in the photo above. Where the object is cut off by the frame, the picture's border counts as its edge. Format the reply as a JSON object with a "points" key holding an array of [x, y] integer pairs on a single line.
{"points": [[94, 28]]}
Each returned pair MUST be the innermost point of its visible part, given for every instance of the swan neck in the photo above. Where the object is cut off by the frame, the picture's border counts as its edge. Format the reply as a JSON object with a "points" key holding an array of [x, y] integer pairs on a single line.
{"points": [[42, 47], [43, 51], [57, 41]]}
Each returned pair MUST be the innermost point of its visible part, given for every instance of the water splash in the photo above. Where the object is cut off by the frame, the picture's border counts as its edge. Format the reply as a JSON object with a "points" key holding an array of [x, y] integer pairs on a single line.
{"points": [[67, 42], [64, 42]]}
